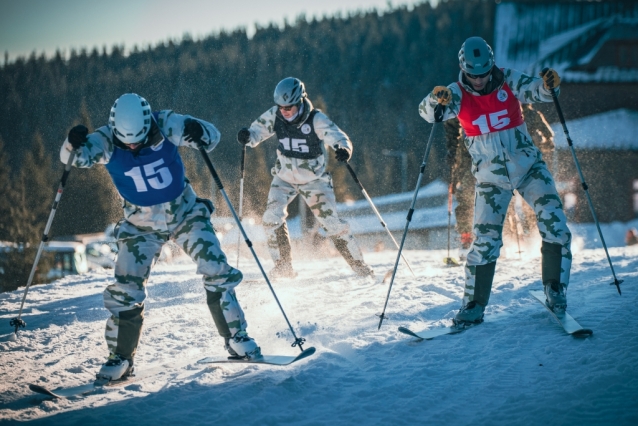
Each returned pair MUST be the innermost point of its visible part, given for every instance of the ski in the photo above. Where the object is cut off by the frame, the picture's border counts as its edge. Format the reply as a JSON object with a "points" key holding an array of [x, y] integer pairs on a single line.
{"points": [[101, 384], [87, 388], [570, 325], [431, 333], [265, 359], [64, 392]]}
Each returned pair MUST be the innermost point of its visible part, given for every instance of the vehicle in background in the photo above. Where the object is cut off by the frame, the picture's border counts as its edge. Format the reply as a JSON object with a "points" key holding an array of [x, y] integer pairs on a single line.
{"points": [[69, 258]]}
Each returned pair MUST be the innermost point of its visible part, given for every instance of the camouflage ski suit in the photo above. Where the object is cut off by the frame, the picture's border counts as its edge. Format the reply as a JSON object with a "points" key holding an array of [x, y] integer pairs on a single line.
{"points": [[504, 161], [304, 177], [464, 182], [145, 229]]}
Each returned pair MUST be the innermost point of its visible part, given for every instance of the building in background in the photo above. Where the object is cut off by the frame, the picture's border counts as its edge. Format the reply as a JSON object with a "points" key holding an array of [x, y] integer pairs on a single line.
{"points": [[607, 146], [594, 47]]}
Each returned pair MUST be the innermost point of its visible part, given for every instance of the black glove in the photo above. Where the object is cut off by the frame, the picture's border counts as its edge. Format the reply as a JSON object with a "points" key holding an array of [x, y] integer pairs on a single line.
{"points": [[193, 131], [342, 155], [77, 136], [243, 136]]}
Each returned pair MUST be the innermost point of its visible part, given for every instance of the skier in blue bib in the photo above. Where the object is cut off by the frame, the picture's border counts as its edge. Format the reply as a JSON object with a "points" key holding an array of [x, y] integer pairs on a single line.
{"points": [[139, 149]]}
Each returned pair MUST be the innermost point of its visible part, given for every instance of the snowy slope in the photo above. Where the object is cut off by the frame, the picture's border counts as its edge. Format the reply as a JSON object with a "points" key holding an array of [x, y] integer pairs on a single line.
{"points": [[519, 367]]}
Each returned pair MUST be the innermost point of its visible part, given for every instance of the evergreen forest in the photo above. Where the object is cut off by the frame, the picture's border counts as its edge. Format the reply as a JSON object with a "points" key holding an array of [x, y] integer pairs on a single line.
{"points": [[368, 71]]}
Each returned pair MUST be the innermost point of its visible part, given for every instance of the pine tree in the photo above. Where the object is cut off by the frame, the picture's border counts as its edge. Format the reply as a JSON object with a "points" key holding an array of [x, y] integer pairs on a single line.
{"points": [[29, 209], [5, 194], [90, 202]]}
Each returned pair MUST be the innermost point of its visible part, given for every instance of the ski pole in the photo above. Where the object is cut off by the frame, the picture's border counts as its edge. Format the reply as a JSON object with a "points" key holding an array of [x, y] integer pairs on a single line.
{"points": [[241, 197], [616, 282], [376, 212], [17, 322], [298, 340], [438, 117], [514, 226]]}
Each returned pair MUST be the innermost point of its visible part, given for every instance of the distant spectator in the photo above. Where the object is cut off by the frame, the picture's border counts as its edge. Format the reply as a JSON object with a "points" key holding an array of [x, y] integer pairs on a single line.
{"points": [[631, 237]]}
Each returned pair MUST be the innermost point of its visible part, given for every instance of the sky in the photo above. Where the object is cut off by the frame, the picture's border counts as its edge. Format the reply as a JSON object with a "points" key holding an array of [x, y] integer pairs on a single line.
{"points": [[48, 25]]}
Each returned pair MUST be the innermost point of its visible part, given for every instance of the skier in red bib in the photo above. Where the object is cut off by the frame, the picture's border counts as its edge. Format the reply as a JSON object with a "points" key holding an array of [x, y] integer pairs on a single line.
{"points": [[487, 101]]}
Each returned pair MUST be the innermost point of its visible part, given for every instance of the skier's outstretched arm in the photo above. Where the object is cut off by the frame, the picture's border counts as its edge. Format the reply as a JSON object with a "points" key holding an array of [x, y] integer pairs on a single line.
{"points": [[529, 89], [332, 136], [90, 148], [449, 96], [260, 129], [185, 130]]}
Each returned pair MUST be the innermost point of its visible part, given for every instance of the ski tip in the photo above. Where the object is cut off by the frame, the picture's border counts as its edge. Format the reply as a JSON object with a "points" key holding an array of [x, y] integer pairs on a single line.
{"points": [[583, 333], [42, 390], [409, 332], [306, 353]]}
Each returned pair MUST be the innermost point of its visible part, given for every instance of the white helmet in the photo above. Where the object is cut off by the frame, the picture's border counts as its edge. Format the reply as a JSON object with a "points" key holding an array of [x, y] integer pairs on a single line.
{"points": [[289, 91], [130, 118], [476, 56]]}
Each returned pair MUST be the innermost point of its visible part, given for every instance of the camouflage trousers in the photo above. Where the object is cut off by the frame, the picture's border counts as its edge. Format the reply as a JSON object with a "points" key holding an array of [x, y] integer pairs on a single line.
{"points": [[491, 203], [320, 198], [140, 238]]}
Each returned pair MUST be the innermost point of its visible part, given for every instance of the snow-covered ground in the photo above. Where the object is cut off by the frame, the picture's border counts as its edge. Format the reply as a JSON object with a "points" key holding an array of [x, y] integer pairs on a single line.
{"points": [[519, 367]]}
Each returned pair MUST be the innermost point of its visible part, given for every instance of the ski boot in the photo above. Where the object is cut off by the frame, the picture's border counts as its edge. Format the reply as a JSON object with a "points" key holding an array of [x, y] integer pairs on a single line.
{"points": [[282, 269], [552, 265], [472, 313], [358, 266], [361, 269], [555, 295], [242, 346], [115, 368]]}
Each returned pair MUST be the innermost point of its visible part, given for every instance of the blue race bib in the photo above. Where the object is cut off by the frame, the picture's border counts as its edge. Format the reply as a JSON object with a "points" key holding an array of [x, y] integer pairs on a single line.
{"points": [[154, 175]]}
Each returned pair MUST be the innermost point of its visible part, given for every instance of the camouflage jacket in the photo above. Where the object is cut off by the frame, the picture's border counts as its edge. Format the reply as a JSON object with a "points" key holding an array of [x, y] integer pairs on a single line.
{"points": [[299, 171], [504, 157], [99, 149]]}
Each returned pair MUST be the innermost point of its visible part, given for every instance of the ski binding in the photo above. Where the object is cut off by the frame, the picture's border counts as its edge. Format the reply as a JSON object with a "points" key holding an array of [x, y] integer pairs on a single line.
{"points": [[431, 333], [570, 325], [264, 359]]}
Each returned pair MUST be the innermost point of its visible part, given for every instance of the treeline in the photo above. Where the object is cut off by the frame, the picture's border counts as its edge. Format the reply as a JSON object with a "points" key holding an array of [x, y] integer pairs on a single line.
{"points": [[368, 71]]}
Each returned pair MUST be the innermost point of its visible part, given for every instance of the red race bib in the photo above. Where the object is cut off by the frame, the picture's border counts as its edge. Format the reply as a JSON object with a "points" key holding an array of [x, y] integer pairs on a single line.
{"points": [[500, 110]]}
